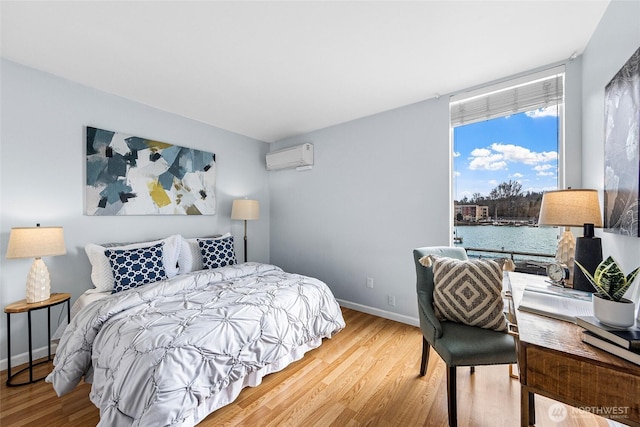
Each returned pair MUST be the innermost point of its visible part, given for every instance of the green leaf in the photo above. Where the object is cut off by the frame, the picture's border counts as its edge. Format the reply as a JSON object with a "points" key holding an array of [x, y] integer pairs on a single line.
{"points": [[593, 280], [631, 277], [609, 280]]}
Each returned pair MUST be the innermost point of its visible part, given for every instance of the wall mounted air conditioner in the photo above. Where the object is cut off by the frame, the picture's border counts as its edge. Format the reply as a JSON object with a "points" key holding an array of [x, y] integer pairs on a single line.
{"points": [[300, 156]]}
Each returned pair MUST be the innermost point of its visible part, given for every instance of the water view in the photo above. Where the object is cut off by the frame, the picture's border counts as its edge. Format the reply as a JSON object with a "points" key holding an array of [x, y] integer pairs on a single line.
{"points": [[539, 240]]}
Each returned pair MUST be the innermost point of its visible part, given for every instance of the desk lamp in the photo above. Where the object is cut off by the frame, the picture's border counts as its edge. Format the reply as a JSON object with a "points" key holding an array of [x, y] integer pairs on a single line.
{"points": [[36, 242], [575, 208]]}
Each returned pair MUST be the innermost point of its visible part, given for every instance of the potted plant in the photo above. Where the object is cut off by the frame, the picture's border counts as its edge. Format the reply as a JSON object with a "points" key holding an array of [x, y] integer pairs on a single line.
{"points": [[610, 283]]}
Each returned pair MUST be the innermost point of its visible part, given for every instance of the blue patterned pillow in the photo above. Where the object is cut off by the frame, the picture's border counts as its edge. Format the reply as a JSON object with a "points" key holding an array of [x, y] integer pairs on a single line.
{"points": [[217, 253], [136, 267]]}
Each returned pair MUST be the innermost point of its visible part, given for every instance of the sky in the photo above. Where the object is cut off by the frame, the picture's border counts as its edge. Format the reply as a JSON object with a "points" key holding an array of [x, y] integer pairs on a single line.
{"points": [[522, 147]]}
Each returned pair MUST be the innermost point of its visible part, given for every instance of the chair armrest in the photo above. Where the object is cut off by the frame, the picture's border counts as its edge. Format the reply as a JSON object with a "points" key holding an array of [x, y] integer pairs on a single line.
{"points": [[429, 323]]}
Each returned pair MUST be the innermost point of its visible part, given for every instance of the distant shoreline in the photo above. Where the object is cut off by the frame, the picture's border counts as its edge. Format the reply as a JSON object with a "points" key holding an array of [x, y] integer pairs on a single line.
{"points": [[499, 223]]}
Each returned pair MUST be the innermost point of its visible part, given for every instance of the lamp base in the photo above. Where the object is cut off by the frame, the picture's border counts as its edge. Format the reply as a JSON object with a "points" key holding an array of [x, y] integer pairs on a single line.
{"points": [[38, 282], [589, 255], [566, 248]]}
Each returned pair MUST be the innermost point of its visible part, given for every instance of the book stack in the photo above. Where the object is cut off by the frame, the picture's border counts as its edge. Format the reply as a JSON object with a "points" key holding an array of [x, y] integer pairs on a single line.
{"points": [[624, 343]]}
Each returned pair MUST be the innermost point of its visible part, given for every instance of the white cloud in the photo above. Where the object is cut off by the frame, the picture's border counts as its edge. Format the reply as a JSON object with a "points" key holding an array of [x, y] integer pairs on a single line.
{"points": [[497, 156], [519, 154], [545, 170], [543, 112], [493, 182], [542, 168], [485, 159], [481, 152], [456, 154], [489, 163]]}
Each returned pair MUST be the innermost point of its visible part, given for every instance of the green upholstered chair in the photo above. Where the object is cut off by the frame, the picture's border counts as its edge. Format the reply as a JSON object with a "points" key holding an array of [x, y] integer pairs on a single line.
{"points": [[456, 343]]}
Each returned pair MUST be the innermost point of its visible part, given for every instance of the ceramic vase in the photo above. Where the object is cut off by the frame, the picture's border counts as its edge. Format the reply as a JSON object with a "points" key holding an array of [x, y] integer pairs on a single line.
{"points": [[614, 313]]}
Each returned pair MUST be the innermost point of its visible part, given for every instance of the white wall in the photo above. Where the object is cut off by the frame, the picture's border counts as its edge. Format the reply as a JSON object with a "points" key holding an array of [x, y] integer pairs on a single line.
{"points": [[379, 188], [42, 181], [616, 38]]}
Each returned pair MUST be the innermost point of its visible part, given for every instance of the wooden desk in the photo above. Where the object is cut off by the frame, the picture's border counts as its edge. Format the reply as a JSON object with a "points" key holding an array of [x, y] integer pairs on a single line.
{"points": [[554, 362]]}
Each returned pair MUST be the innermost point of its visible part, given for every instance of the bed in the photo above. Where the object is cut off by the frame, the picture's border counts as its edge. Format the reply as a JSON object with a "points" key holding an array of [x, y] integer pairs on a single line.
{"points": [[171, 351]]}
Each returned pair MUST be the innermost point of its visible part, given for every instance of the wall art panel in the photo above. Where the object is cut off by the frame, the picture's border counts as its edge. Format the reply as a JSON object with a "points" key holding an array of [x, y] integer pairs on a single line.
{"points": [[622, 150], [129, 175]]}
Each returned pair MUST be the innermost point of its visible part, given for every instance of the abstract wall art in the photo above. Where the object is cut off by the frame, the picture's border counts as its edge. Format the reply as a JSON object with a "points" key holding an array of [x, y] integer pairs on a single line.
{"points": [[622, 150], [129, 175]]}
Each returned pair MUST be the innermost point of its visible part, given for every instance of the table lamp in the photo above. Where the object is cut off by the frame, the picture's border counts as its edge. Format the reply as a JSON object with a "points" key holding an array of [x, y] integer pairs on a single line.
{"points": [[245, 210], [575, 208], [36, 242]]}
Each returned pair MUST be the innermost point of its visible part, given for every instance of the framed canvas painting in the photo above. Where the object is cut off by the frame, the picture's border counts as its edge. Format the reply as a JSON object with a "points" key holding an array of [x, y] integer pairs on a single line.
{"points": [[622, 150], [129, 175]]}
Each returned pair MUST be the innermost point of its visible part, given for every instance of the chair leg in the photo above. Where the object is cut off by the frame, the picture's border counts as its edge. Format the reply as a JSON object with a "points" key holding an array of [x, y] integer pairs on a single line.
{"points": [[473, 369], [425, 357], [451, 396]]}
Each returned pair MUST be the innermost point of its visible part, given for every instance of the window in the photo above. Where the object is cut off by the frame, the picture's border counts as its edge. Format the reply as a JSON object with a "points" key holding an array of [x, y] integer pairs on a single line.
{"points": [[506, 142]]}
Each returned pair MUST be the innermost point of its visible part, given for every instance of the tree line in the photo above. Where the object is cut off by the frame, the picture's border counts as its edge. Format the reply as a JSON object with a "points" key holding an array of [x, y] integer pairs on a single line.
{"points": [[507, 200]]}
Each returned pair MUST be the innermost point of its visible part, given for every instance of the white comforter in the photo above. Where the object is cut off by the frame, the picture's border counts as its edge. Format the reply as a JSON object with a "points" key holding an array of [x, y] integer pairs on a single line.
{"points": [[160, 350]]}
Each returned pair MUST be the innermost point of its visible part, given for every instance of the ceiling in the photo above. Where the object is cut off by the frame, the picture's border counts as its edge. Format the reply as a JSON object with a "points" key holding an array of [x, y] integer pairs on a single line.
{"points": [[271, 70]]}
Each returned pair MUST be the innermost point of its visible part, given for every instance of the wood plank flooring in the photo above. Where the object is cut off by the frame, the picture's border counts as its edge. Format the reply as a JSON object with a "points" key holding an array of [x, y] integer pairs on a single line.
{"points": [[367, 375]]}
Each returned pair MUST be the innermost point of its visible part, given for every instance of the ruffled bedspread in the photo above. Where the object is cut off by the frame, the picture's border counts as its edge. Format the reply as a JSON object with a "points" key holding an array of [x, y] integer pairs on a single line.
{"points": [[157, 352]]}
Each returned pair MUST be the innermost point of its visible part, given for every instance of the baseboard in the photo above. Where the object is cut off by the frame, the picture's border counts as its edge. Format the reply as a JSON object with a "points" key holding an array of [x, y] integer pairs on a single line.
{"points": [[22, 358], [413, 321]]}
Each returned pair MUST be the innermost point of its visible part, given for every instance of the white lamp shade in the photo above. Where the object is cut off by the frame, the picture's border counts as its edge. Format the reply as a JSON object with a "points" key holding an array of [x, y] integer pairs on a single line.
{"points": [[245, 209], [570, 208], [35, 242]]}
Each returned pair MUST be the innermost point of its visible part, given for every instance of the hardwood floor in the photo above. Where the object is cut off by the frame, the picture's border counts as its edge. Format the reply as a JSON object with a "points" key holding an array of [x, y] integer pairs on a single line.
{"points": [[367, 375]]}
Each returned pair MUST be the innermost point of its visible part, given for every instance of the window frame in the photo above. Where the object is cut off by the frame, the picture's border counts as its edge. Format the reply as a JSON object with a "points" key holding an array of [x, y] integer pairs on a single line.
{"points": [[502, 85]]}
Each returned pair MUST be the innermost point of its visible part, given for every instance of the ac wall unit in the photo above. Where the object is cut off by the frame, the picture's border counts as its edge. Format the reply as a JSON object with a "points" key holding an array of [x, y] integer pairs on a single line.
{"points": [[292, 157]]}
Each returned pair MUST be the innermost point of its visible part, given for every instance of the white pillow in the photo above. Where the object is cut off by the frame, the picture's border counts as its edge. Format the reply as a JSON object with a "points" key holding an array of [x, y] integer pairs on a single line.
{"points": [[190, 258], [102, 274]]}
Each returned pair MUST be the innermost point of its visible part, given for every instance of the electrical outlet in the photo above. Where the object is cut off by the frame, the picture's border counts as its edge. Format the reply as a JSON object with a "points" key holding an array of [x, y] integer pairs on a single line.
{"points": [[370, 282], [391, 300]]}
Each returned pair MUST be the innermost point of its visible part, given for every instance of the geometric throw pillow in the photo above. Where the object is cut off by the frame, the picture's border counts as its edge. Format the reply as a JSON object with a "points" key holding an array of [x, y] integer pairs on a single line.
{"points": [[469, 292], [136, 267], [217, 253], [102, 273], [190, 258]]}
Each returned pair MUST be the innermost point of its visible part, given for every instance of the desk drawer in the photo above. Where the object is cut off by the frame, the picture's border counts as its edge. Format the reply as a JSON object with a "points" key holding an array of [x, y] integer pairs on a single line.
{"points": [[580, 383]]}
